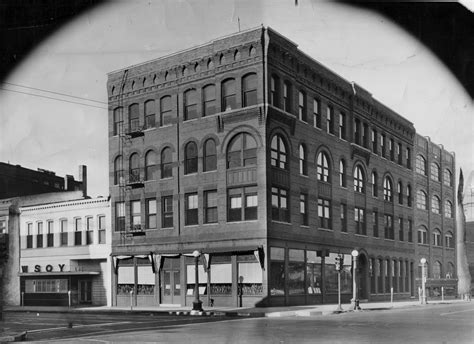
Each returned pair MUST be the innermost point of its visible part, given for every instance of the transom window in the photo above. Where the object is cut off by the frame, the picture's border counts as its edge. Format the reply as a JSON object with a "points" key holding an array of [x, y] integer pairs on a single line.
{"points": [[322, 167], [242, 151], [278, 153]]}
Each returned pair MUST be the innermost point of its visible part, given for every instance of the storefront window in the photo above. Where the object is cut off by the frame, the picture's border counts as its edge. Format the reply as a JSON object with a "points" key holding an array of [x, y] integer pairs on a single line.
{"points": [[250, 278], [191, 279], [125, 278], [146, 277], [277, 271], [313, 273], [296, 268], [46, 286], [330, 274]]}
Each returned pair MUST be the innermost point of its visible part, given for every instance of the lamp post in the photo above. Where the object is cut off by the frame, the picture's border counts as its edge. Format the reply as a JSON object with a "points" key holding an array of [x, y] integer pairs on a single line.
{"points": [[197, 304], [423, 280], [355, 301]]}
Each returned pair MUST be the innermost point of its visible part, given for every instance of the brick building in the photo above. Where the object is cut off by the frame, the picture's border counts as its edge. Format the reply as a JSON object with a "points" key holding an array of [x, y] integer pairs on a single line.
{"points": [[267, 163]]}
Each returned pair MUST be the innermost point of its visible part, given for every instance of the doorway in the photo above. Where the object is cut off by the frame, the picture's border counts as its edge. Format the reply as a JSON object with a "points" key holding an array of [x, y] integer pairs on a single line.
{"points": [[85, 291], [170, 282], [362, 278]]}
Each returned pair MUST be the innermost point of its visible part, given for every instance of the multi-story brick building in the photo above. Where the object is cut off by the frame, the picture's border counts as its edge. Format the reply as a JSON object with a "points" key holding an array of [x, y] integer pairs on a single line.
{"points": [[267, 163]]}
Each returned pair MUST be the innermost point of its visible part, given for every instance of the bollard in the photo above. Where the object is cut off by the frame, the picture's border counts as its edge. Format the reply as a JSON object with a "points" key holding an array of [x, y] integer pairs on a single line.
{"points": [[69, 297], [442, 293], [131, 300]]}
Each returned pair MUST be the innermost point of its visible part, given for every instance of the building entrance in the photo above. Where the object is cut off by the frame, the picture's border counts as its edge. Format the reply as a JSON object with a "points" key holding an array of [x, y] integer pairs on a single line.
{"points": [[362, 277], [85, 291], [170, 281]]}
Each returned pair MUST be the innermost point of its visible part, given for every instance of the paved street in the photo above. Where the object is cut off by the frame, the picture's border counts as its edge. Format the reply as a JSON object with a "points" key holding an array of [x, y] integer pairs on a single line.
{"points": [[433, 323]]}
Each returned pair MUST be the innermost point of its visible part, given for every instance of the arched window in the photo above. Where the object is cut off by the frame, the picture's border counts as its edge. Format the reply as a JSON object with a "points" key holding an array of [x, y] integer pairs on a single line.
{"points": [[448, 209], [236, 55], [449, 240], [210, 64], [134, 168], [210, 156], [435, 172], [222, 59], [387, 189], [409, 195], [437, 269], [190, 105], [359, 180], [209, 100], [165, 111], [252, 51], [275, 91], [450, 272], [435, 205], [448, 178], [375, 192], [150, 166], [166, 163], [118, 170], [118, 121], [437, 238], [303, 164], [422, 235], [278, 153], [400, 192], [342, 173], [421, 200], [420, 165], [322, 167], [242, 151], [190, 158], [149, 114], [133, 118], [228, 95], [249, 89]]}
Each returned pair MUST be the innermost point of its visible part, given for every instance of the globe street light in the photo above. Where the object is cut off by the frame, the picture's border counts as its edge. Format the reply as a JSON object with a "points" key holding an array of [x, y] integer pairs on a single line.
{"points": [[197, 304], [423, 281], [354, 301]]}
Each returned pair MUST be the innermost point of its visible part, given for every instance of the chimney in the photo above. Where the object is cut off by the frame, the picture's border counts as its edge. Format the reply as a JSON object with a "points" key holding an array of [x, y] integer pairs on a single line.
{"points": [[69, 183], [83, 179]]}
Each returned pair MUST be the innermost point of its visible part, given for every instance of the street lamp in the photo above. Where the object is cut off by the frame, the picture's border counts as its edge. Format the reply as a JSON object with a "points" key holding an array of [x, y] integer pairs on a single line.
{"points": [[355, 301], [197, 304], [423, 281]]}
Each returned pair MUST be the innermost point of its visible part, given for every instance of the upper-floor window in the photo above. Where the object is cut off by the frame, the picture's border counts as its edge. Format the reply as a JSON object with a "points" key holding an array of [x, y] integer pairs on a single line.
{"points": [[448, 178], [210, 156], [279, 152], [63, 240], [329, 120], [421, 200], [422, 235], [435, 172], [150, 213], [167, 211], [342, 126], [118, 121], [448, 240], [408, 156], [39, 237], [133, 118], [242, 204], [118, 170], [249, 89], [357, 131], [190, 105], [228, 95], [275, 91], [409, 196], [134, 168], [242, 151], [342, 173], [374, 141], [435, 205], [374, 184], [150, 114], [136, 215], [151, 170], [191, 209], [383, 144], [304, 209], [165, 111], [119, 216], [101, 222], [387, 189], [190, 158], [316, 114], [210, 206], [437, 238], [420, 165], [359, 218], [322, 167], [391, 147], [303, 163], [400, 192], [448, 209], [209, 100], [399, 154], [280, 209], [302, 106], [50, 234], [166, 163], [324, 213], [287, 96], [359, 180]]}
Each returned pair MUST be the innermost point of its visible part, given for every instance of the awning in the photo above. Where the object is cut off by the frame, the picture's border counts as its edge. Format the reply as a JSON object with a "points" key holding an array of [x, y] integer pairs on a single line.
{"points": [[59, 273]]}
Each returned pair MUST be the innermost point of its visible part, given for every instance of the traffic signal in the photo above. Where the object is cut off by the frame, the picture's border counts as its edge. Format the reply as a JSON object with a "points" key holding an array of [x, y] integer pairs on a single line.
{"points": [[338, 263]]}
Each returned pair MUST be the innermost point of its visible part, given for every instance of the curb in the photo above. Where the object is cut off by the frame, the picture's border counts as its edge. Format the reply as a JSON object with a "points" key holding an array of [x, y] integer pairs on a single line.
{"points": [[13, 337]]}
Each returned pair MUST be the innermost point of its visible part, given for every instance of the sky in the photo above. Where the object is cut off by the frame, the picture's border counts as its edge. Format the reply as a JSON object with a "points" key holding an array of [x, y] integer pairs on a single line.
{"points": [[62, 133]]}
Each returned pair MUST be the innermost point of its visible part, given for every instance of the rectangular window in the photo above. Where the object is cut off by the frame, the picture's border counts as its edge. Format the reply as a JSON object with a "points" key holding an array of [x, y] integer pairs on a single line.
{"points": [[343, 217], [389, 234], [242, 204], [374, 141], [209, 104], [50, 235], [150, 114], [191, 209], [210, 206], [136, 215], [118, 121], [400, 229], [151, 213], [382, 144], [89, 231], [277, 271], [101, 220], [78, 231], [302, 107], [304, 209], [119, 216], [365, 135], [375, 223], [329, 120], [410, 230], [274, 94], [39, 236], [165, 111], [324, 213], [359, 218], [287, 97], [63, 234], [167, 211], [399, 154], [342, 126], [391, 147], [408, 155], [3, 226], [296, 272], [313, 272], [280, 210], [316, 114]]}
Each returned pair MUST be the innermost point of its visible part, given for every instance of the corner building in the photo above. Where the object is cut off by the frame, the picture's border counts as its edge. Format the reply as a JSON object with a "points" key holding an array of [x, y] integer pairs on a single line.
{"points": [[267, 163]]}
